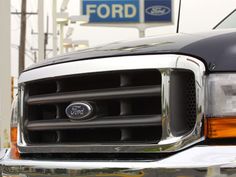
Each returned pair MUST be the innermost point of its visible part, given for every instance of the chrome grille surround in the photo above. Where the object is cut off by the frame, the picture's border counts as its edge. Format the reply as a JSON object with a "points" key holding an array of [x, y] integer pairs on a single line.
{"points": [[165, 63]]}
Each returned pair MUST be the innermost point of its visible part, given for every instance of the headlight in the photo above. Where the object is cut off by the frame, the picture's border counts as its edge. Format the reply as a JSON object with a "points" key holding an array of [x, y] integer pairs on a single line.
{"points": [[221, 106]]}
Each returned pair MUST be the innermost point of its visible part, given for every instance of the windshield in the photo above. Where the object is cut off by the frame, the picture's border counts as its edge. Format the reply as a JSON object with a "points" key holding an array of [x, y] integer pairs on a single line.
{"points": [[228, 22]]}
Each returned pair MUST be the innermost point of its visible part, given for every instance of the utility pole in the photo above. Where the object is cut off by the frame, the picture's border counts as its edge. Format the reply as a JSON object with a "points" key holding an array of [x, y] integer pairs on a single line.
{"points": [[141, 28], [46, 34], [61, 38], [41, 30], [23, 15], [22, 37], [46, 39], [54, 27]]}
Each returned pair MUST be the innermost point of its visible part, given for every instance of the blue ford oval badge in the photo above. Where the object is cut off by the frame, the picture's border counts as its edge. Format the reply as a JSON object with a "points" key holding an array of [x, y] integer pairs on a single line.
{"points": [[158, 10], [79, 111]]}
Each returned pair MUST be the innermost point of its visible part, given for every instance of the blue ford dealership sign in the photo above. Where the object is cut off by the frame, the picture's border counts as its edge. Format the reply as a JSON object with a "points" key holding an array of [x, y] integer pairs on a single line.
{"points": [[127, 11]]}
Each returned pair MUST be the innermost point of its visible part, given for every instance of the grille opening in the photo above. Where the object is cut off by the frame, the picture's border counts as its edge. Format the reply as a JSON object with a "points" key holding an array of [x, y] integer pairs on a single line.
{"points": [[108, 136], [182, 101], [145, 78], [147, 134], [145, 106], [107, 108], [38, 88], [93, 135], [42, 112], [90, 82], [45, 137]]}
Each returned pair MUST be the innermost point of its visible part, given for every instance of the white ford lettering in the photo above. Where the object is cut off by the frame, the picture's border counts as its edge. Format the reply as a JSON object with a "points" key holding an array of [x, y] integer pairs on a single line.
{"points": [[90, 9], [103, 11], [128, 8], [114, 11], [117, 10]]}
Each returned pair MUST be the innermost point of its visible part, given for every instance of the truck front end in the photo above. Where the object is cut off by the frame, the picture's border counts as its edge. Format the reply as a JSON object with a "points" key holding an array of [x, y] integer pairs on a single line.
{"points": [[145, 114]]}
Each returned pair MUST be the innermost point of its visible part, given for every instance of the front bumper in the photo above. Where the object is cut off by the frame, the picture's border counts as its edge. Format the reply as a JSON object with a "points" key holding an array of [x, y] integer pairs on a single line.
{"points": [[210, 161]]}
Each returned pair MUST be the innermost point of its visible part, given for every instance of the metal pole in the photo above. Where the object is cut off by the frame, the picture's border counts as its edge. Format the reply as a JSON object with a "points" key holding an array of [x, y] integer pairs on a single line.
{"points": [[178, 20], [141, 11], [142, 19], [46, 39], [5, 76], [41, 29], [61, 38], [54, 27], [141, 32], [22, 37]]}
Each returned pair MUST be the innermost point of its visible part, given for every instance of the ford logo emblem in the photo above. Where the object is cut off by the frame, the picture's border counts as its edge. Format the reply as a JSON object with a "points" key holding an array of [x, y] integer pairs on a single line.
{"points": [[79, 111], [158, 10]]}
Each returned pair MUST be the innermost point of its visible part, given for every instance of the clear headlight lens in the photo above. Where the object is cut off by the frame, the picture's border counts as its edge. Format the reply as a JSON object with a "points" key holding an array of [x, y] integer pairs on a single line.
{"points": [[221, 95], [221, 106]]}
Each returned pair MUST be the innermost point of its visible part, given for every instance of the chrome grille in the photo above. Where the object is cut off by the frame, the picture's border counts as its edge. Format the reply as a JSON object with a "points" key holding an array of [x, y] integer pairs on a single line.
{"points": [[154, 104]]}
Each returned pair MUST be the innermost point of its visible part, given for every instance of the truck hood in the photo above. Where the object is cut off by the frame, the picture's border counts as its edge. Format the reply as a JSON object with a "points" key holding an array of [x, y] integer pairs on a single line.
{"points": [[217, 49]]}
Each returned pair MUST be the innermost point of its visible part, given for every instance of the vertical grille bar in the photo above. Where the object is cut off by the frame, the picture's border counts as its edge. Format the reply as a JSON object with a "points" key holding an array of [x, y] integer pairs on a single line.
{"points": [[125, 107]]}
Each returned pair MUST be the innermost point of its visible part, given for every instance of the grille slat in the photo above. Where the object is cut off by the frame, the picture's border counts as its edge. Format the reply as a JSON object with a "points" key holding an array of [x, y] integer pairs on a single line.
{"points": [[105, 122], [103, 94]]}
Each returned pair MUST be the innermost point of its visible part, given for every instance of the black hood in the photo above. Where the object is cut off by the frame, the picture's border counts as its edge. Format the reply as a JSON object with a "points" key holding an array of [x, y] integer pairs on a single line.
{"points": [[217, 49]]}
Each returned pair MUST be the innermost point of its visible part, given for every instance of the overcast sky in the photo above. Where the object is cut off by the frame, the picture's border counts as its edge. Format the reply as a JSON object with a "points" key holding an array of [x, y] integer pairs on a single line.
{"points": [[196, 16]]}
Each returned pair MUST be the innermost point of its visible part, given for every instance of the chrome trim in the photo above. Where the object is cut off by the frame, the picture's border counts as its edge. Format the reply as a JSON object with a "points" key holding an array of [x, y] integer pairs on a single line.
{"points": [[166, 132], [20, 137], [2, 153], [101, 65], [164, 63], [209, 161]]}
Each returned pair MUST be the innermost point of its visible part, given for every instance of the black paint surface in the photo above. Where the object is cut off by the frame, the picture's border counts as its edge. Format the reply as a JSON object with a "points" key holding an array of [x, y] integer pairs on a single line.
{"points": [[217, 49]]}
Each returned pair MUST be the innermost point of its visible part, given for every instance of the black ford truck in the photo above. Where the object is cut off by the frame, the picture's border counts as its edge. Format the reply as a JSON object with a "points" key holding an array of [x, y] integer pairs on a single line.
{"points": [[162, 106]]}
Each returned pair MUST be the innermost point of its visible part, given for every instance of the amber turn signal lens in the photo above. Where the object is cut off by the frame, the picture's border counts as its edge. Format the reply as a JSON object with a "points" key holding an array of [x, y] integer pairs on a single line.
{"points": [[222, 127], [14, 150], [13, 134]]}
